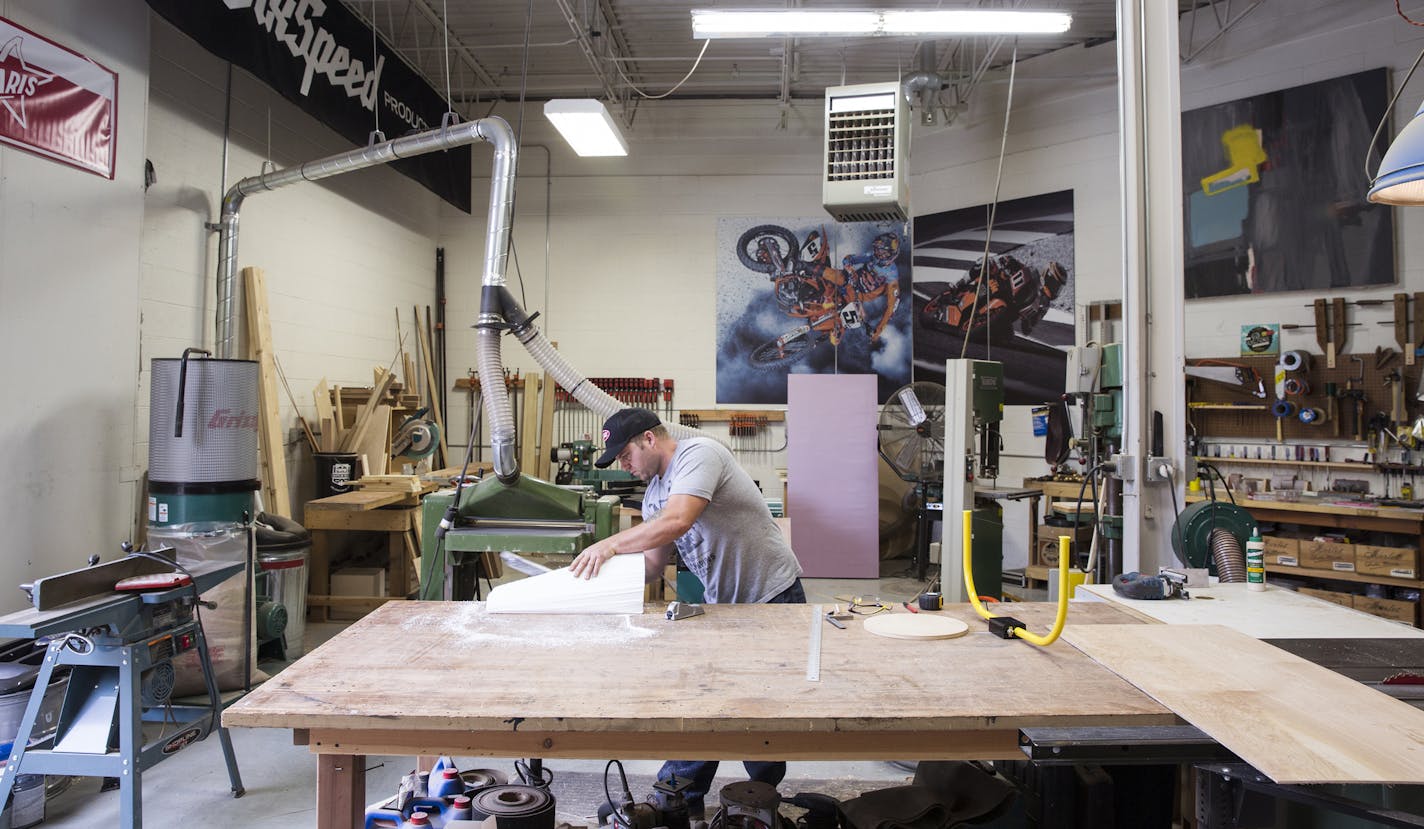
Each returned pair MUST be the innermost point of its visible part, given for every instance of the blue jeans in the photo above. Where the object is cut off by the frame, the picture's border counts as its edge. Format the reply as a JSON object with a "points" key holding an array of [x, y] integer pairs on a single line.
{"points": [[702, 772]]}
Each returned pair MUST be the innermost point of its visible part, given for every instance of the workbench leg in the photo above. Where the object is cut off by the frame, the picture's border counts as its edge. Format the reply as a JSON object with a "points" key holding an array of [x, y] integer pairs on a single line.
{"points": [[1033, 521], [922, 536], [340, 791], [319, 574]]}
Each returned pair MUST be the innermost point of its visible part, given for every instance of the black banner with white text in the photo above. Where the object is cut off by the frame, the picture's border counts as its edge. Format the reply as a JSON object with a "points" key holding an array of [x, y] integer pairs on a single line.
{"points": [[319, 56]]}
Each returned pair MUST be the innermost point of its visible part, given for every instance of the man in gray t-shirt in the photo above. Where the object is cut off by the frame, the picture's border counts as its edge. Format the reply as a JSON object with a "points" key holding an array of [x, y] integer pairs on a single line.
{"points": [[703, 504]]}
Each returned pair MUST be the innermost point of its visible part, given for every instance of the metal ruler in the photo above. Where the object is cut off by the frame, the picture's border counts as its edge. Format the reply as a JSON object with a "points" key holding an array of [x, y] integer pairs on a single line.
{"points": [[813, 654]]}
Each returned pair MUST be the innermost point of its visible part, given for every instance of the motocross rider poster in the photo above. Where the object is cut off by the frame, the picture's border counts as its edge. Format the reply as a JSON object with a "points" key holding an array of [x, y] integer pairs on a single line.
{"points": [[813, 296], [1021, 315]]}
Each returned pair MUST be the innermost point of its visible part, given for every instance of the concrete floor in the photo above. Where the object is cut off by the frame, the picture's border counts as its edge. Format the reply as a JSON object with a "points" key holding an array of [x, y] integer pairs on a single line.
{"points": [[280, 778]]}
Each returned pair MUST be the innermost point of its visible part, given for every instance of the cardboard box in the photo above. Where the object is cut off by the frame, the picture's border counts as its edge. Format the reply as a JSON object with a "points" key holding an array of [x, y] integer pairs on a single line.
{"points": [[1342, 599], [1281, 550], [356, 581], [1396, 562], [1047, 548], [1327, 555], [1405, 612]]}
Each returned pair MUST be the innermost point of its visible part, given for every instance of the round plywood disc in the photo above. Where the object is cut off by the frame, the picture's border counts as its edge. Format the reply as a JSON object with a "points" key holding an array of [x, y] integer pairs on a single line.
{"points": [[915, 626]]}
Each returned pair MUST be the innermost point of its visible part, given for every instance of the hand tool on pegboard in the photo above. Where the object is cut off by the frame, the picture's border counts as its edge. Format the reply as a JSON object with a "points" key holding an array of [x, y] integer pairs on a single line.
{"points": [[1281, 409], [1330, 327], [1416, 339], [1356, 396], [1395, 381], [1401, 328], [1332, 392]]}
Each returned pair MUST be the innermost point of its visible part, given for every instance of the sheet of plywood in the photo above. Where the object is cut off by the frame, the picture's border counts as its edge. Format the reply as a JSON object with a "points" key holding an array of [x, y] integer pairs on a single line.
{"points": [[1276, 613], [1293, 720], [832, 492], [618, 588]]}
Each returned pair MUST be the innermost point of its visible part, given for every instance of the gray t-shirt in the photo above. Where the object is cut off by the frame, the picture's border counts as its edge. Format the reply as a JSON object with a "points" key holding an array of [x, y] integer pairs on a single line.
{"points": [[734, 547]]}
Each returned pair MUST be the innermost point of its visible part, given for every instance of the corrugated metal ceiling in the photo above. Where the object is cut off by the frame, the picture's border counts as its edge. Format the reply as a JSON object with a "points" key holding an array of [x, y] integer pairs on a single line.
{"points": [[500, 49]]}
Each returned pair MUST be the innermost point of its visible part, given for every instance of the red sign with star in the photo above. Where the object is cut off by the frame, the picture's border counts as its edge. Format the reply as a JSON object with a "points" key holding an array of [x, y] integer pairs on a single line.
{"points": [[55, 102]]}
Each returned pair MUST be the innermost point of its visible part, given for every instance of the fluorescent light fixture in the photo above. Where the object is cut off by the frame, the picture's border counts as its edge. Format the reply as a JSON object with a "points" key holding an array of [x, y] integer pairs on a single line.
{"points": [[1400, 179], [710, 23], [586, 125], [975, 22]]}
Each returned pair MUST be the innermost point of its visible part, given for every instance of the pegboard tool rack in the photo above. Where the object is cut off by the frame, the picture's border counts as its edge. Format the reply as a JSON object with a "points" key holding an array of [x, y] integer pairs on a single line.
{"points": [[1260, 424]]}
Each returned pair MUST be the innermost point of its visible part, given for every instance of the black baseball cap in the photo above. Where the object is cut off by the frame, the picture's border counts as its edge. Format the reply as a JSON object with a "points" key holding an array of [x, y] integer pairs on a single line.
{"points": [[623, 426]]}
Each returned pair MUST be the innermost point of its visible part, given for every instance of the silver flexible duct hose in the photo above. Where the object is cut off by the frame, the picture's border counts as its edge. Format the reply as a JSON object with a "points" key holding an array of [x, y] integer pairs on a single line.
{"points": [[590, 395], [495, 404], [1230, 559]]}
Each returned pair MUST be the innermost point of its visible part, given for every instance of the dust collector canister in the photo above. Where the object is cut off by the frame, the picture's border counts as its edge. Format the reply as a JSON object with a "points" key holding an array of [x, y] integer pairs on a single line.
{"points": [[215, 450]]}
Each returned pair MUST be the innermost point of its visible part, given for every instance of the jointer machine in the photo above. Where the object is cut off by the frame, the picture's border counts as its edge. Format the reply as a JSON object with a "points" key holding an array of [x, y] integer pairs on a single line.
{"points": [[117, 628], [530, 516]]}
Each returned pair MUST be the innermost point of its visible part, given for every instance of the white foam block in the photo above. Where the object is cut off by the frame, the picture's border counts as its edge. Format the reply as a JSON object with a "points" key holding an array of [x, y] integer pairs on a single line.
{"points": [[618, 588]]}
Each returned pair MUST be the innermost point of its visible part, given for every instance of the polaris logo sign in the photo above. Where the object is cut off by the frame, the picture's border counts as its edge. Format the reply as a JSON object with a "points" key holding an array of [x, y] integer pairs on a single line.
{"points": [[320, 56], [55, 102]]}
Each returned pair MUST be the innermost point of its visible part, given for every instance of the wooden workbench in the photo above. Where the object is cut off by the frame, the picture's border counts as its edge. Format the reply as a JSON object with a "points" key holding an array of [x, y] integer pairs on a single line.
{"points": [[439, 678]]}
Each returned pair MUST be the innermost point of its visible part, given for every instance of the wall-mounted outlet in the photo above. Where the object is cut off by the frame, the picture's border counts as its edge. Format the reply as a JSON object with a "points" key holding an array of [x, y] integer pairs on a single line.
{"points": [[1160, 470]]}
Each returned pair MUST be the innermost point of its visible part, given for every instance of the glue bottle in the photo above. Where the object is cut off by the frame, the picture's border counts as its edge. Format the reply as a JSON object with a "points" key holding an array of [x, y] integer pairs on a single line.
{"points": [[1255, 562]]}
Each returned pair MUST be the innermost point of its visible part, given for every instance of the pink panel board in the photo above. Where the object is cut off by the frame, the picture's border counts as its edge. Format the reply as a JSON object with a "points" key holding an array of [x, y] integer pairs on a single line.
{"points": [[831, 474]]}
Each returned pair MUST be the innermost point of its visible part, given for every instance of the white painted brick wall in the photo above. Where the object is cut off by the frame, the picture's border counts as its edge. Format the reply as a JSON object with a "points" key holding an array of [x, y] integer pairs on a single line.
{"points": [[630, 243], [340, 255]]}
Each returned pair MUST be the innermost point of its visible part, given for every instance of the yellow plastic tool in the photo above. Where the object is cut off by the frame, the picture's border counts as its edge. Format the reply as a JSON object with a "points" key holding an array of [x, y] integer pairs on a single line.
{"points": [[1245, 153], [1063, 587]]}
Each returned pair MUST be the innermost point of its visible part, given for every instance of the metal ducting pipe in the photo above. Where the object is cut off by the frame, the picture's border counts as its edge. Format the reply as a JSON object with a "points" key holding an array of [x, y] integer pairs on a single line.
{"points": [[913, 85], [494, 130], [498, 308]]}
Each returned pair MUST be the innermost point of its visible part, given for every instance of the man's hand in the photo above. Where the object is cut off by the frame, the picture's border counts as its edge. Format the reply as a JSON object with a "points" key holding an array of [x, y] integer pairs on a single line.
{"points": [[591, 560]]}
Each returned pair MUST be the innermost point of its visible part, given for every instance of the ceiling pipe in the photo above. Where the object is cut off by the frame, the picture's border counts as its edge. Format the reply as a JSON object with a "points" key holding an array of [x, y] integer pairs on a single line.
{"points": [[494, 130], [499, 310]]}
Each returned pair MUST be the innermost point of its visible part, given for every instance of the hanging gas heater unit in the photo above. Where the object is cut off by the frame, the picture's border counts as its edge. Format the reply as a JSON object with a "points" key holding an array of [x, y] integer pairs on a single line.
{"points": [[867, 140]]}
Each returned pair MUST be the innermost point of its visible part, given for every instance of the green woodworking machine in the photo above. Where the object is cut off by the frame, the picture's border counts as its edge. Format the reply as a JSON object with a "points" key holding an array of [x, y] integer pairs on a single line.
{"points": [[529, 516], [575, 460]]}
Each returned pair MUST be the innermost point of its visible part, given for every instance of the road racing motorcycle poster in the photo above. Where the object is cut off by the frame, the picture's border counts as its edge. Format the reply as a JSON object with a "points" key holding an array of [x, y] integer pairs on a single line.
{"points": [[1017, 311], [813, 296]]}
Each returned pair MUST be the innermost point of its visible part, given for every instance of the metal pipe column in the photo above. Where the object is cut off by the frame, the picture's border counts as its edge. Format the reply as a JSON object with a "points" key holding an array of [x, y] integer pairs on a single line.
{"points": [[1150, 135]]}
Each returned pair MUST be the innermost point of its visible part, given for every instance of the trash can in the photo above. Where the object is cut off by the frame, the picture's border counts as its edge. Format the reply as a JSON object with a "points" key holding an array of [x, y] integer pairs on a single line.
{"points": [[334, 472], [283, 553]]}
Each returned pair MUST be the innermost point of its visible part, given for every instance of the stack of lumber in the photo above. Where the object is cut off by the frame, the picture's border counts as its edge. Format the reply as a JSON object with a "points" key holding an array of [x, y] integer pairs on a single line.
{"points": [[369, 433]]}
